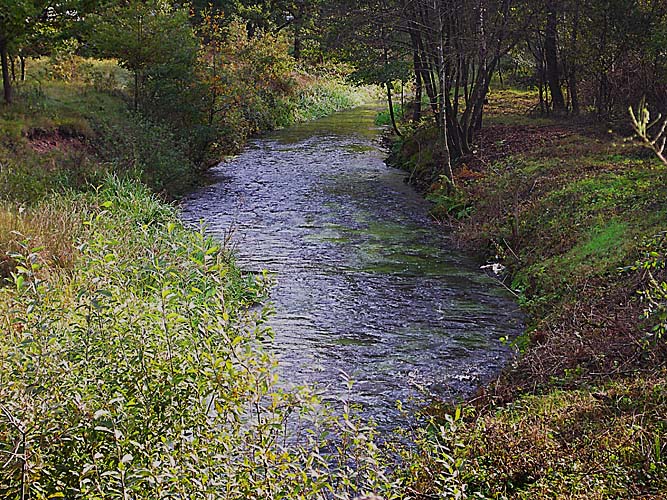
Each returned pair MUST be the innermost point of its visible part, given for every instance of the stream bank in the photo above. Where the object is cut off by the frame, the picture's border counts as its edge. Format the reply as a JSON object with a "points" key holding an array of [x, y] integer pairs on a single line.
{"points": [[367, 285], [572, 212]]}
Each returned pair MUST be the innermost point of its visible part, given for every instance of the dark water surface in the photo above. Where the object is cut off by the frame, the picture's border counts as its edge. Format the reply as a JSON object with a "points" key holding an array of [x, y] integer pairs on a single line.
{"points": [[367, 284]]}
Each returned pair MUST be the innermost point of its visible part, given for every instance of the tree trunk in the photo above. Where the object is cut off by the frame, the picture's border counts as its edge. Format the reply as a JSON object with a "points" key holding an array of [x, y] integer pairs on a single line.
{"points": [[390, 102], [297, 41], [22, 58], [385, 55], [427, 78], [416, 61], [574, 92], [442, 119], [572, 77], [136, 90], [551, 56], [417, 111], [6, 82]]}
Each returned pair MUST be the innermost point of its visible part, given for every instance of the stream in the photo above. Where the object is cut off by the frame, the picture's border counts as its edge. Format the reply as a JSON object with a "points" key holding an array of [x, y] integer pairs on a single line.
{"points": [[366, 283]]}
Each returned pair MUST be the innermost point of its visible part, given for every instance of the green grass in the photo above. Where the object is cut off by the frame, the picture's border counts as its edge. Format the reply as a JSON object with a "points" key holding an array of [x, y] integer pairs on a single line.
{"points": [[323, 96], [572, 211]]}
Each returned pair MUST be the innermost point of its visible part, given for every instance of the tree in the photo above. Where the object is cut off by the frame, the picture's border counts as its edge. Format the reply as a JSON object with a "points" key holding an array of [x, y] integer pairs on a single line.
{"points": [[652, 133], [458, 46], [551, 57], [17, 19], [244, 78], [604, 54], [154, 41], [367, 34]]}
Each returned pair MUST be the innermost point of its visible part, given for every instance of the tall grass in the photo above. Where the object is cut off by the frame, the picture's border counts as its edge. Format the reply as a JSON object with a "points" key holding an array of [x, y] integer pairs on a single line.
{"points": [[324, 96]]}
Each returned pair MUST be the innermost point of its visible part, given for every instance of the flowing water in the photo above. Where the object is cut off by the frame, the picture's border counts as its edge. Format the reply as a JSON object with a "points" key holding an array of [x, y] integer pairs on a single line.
{"points": [[366, 283]]}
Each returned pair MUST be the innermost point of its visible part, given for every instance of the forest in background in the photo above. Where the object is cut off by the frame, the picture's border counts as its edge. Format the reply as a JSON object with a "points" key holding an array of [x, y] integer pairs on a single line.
{"points": [[205, 77], [512, 116]]}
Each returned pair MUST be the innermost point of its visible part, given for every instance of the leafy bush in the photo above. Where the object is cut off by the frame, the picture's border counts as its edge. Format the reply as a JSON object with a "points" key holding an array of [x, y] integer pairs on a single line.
{"points": [[653, 266], [142, 149], [141, 373], [64, 61], [384, 117], [252, 84], [244, 77]]}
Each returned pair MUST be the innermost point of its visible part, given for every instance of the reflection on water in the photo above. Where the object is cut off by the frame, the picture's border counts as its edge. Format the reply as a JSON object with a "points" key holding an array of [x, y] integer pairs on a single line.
{"points": [[367, 284]]}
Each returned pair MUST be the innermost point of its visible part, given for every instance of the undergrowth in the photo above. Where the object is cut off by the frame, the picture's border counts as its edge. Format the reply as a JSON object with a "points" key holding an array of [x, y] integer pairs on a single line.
{"points": [[141, 372], [577, 217]]}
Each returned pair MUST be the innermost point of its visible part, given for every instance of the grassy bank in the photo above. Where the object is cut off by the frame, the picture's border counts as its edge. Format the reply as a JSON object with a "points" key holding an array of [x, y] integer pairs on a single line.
{"points": [[137, 368], [133, 360], [572, 211]]}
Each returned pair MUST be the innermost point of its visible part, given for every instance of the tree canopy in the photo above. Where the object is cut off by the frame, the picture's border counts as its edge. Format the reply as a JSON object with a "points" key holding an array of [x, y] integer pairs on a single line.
{"points": [[597, 57]]}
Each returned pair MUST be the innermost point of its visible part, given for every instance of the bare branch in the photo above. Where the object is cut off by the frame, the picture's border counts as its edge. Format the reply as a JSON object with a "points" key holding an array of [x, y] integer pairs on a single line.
{"points": [[641, 122]]}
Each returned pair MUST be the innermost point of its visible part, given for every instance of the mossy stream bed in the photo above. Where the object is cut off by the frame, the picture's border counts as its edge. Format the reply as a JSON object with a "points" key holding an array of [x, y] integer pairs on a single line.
{"points": [[367, 284]]}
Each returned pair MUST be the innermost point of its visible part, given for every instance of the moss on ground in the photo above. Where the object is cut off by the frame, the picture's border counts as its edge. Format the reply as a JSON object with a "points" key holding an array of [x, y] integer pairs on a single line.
{"points": [[601, 442], [568, 207]]}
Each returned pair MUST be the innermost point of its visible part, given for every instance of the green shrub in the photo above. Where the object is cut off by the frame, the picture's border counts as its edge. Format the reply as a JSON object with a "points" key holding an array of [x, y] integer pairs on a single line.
{"points": [[384, 117], [142, 373], [653, 294], [142, 149]]}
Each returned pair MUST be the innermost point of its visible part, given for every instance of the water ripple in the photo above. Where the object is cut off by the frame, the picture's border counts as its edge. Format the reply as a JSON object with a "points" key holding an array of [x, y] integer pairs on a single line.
{"points": [[367, 284]]}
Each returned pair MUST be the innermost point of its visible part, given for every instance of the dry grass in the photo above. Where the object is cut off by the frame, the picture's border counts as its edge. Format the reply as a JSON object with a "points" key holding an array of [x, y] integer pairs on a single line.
{"points": [[49, 230], [604, 443]]}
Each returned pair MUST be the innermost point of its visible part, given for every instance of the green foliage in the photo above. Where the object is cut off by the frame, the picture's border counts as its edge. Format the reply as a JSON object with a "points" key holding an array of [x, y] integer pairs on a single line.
{"points": [[68, 135], [652, 267], [157, 44], [583, 222], [537, 446], [654, 261], [143, 149], [252, 83], [436, 466], [142, 373], [246, 78], [63, 60], [384, 117], [449, 201], [33, 177]]}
